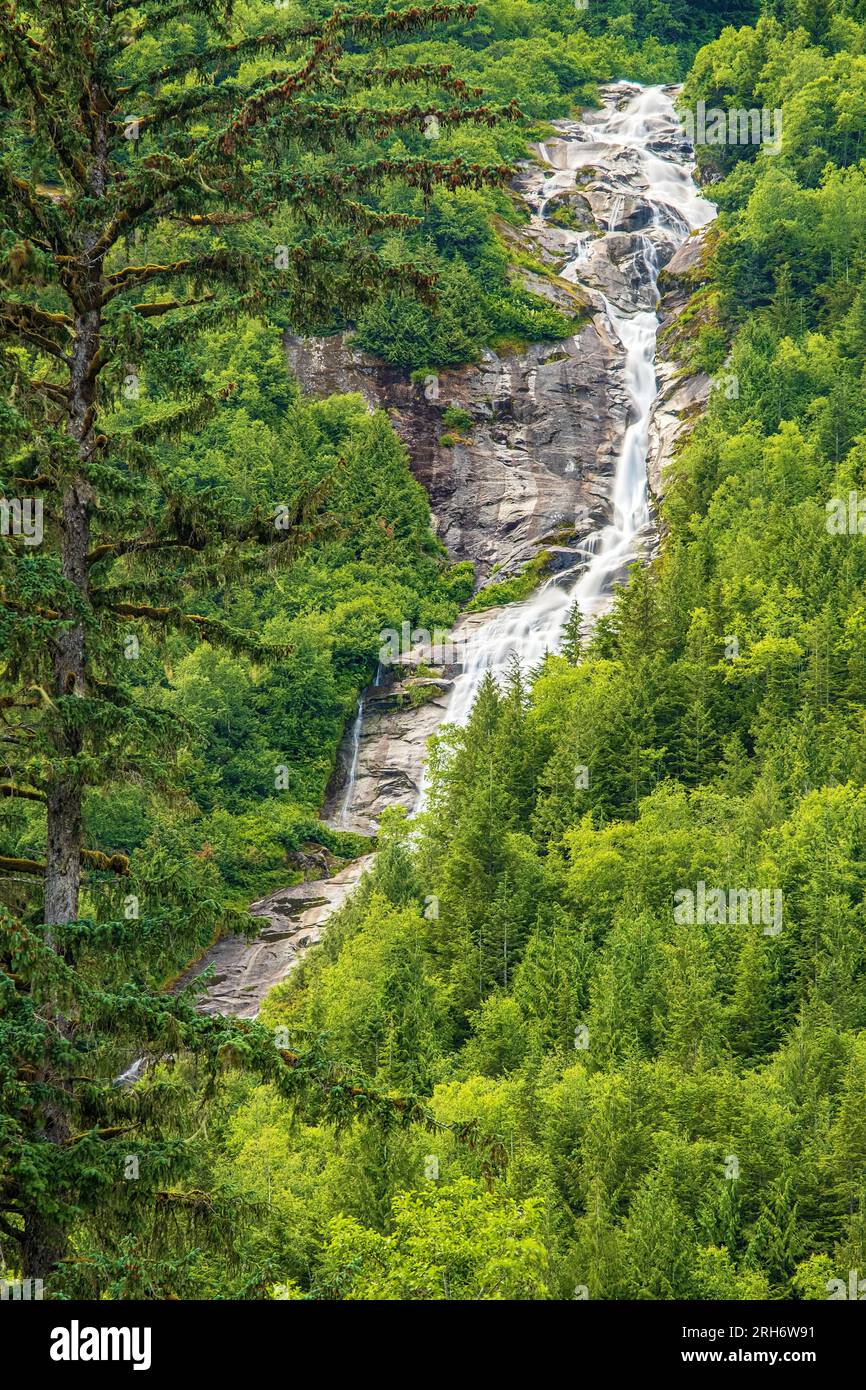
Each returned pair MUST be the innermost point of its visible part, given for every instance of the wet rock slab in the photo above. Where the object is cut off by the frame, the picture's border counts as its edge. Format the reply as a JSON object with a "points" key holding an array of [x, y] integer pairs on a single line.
{"points": [[244, 971], [545, 427], [682, 397]]}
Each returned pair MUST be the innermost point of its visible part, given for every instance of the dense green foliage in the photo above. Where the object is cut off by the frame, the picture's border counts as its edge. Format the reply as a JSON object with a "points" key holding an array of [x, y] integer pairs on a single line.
{"points": [[548, 56], [679, 1107], [612, 1102], [682, 24], [199, 528]]}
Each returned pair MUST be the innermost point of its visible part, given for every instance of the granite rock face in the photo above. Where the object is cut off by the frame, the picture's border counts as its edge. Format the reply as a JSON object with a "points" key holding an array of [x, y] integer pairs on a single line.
{"points": [[545, 428], [534, 471], [391, 758], [389, 744], [547, 422], [682, 396], [244, 971]]}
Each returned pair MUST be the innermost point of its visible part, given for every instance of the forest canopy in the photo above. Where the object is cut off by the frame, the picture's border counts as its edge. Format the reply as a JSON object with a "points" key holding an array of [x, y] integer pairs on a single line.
{"points": [[181, 654]]}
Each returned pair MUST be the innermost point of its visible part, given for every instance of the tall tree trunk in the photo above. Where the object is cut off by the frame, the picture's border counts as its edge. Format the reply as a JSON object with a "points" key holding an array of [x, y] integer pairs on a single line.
{"points": [[63, 865], [45, 1238], [64, 793]]}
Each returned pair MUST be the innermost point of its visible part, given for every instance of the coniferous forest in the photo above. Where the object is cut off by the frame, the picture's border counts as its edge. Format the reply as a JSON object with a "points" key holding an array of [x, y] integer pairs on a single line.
{"points": [[591, 1023]]}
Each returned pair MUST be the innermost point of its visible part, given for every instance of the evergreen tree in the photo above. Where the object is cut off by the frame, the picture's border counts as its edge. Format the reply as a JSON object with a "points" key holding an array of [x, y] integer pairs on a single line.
{"points": [[140, 166], [775, 1243], [572, 635]]}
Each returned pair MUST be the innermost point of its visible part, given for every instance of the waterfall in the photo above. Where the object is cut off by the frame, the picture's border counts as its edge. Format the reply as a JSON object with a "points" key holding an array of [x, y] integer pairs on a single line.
{"points": [[612, 148], [349, 792], [529, 630]]}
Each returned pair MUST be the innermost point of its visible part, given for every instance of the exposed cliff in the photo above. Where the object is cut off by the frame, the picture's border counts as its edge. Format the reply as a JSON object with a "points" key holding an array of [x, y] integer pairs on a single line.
{"points": [[561, 440], [537, 459], [682, 394]]}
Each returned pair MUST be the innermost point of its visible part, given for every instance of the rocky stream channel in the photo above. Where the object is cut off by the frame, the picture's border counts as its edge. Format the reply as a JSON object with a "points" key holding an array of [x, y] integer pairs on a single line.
{"points": [[568, 448]]}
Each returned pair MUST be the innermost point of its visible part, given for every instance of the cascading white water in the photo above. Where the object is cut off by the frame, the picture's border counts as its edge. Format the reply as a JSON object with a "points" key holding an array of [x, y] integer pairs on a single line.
{"points": [[617, 142], [666, 187], [347, 801], [349, 793]]}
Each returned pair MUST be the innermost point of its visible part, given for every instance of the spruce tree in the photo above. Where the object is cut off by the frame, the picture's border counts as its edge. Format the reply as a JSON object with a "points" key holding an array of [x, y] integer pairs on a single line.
{"points": [[572, 635], [156, 178]]}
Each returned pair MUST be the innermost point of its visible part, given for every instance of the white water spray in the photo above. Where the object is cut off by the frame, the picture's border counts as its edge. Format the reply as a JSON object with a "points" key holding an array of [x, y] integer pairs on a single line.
{"points": [[529, 630]]}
